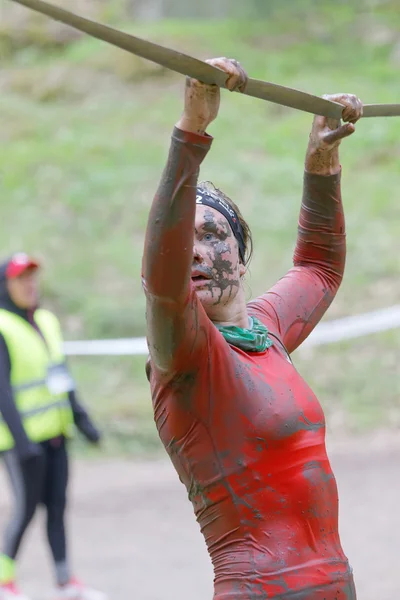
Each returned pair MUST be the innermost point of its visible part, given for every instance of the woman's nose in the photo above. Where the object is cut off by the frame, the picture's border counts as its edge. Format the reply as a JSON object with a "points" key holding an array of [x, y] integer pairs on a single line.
{"points": [[196, 253]]}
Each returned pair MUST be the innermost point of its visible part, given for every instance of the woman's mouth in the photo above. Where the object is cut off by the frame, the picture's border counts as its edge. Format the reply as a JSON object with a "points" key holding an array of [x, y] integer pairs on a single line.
{"points": [[199, 278]]}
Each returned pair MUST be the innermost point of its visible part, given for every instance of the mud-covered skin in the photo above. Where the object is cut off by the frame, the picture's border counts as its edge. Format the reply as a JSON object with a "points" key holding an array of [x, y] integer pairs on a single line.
{"points": [[244, 431], [216, 256]]}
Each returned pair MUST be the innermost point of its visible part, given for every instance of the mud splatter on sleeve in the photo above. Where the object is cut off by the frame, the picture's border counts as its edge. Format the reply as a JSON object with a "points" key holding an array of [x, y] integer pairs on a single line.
{"points": [[173, 313], [297, 302]]}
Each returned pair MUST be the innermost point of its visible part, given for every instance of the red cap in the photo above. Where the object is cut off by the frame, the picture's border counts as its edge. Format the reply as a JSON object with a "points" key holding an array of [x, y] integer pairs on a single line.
{"points": [[19, 264]]}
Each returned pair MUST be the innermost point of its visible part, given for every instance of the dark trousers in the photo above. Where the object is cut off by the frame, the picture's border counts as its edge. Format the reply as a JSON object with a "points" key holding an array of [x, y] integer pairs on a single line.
{"points": [[40, 480]]}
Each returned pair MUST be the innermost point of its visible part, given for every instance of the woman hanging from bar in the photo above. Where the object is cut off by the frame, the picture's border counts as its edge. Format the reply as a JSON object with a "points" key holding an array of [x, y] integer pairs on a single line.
{"points": [[245, 433]]}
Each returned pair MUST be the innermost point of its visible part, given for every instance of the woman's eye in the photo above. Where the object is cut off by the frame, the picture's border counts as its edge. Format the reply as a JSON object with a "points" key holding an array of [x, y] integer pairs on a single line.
{"points": [[208, 237]]}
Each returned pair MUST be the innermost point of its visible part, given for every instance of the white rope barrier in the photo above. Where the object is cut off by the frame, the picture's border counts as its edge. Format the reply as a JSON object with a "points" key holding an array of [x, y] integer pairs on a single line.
{"points": [[356, 326], [325, 333]]}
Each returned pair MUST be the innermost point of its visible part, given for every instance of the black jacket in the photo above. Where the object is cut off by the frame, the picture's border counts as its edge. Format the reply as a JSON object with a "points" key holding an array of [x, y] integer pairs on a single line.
{"points": [[24, 447]]}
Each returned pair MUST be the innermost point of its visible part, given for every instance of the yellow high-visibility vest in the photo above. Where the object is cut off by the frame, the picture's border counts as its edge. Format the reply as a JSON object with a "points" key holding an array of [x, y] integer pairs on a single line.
{"points": [[39, 378]]}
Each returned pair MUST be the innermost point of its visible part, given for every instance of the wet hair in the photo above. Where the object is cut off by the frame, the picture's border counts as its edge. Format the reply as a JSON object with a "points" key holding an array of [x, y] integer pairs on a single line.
{"points": [[208, 186]]}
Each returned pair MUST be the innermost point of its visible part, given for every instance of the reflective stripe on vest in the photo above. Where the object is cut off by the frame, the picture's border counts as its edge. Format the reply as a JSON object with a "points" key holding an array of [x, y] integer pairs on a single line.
{"points": [[34, 383], [41, 409], [29, 385]]}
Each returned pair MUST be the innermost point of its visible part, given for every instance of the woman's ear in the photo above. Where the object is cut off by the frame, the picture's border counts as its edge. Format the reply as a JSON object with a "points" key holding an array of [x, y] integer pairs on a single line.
{"points": [[242, 269]]}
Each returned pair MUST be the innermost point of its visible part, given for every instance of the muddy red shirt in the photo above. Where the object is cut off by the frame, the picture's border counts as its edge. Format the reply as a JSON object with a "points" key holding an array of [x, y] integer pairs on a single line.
{"points": [[244, 431]]}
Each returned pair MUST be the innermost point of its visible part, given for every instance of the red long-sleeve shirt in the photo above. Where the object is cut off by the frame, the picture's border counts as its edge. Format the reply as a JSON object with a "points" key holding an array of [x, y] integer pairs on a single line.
{"points": [[244, 431]]}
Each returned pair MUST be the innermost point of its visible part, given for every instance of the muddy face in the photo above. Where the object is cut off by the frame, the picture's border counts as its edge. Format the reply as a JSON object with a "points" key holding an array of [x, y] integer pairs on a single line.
{"points": [[216, 269]]}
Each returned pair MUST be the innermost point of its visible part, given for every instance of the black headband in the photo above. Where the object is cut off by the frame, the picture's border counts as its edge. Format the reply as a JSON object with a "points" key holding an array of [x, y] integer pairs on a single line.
{"points": [[210, 198]]}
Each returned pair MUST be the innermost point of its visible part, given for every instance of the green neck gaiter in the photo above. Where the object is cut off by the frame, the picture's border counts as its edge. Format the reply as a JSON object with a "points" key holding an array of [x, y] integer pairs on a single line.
{"points": [[255, 339]]}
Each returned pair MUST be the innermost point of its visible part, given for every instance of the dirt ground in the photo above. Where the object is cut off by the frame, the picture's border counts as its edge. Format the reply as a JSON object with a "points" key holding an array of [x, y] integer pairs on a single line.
{"points": [[134, 536]]}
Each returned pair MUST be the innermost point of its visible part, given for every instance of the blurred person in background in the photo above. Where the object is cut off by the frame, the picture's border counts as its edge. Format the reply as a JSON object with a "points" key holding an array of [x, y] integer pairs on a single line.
{"points": [[244, 431], [38, 410]]}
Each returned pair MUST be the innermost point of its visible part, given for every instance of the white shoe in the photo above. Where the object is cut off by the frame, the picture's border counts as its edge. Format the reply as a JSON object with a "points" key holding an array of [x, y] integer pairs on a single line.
{"points": [[9, 591], [76, 591]]}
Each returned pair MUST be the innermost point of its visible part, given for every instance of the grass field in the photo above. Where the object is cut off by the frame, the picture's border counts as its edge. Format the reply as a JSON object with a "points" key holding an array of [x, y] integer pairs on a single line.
{"points": [[84, 132]]}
